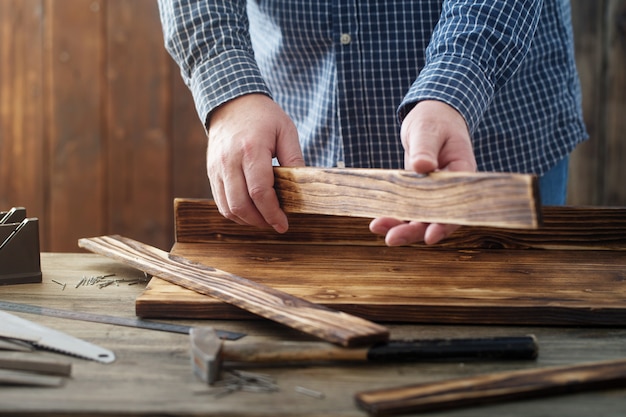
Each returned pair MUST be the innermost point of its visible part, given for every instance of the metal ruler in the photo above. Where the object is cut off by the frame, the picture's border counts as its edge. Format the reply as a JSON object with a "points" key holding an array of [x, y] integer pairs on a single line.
{"points": [[102, 318]]}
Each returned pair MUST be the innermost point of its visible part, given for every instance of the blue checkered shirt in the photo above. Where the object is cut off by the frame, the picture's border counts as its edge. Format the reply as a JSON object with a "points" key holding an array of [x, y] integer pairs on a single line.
{"points": [[347, 72]]}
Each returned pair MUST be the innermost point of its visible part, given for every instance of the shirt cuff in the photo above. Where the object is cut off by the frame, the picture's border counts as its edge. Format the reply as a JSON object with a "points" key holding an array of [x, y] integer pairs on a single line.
{"points": [[458, 82], [229, 75]]}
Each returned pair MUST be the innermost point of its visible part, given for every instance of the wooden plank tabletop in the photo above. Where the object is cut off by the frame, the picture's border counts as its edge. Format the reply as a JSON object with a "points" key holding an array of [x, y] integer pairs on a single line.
{"points": [[152, 374]]}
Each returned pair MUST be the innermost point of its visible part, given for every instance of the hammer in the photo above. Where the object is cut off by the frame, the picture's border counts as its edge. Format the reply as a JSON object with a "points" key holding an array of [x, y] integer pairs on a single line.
{"points": [[208, 351]]}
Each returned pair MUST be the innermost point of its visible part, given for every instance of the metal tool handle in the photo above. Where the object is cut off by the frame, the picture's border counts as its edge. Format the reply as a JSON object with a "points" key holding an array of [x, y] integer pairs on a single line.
{"points": [[510, 348], [524, 347]]}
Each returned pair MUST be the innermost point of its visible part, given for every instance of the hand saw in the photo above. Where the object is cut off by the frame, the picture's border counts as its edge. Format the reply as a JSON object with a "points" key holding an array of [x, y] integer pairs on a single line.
{"points": [[13, 327]]}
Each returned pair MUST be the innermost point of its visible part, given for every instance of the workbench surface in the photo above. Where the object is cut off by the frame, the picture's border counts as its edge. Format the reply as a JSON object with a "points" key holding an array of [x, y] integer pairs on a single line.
{"points": [[152, 373]]}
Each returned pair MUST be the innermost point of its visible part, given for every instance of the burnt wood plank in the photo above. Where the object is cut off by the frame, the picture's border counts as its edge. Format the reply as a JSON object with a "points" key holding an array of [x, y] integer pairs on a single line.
{"points": [[571, 271], [330, 325], [574, 228], [497, 387], [519, 287], [486, 199]]}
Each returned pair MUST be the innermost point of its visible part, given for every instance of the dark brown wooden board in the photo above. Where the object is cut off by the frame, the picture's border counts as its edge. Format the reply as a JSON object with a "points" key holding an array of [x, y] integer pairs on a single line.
{"points": [[325, 323], [498, 387], [570, 272], [467, 198]]}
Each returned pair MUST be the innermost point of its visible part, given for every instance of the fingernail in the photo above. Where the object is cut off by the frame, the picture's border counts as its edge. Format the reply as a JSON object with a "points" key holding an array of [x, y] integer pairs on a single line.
{"points": [[281, 227], [397, 242], [433, 238]]}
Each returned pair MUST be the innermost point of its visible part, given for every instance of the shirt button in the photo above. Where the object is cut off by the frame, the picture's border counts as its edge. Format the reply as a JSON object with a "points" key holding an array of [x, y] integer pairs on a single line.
{"points": [[345, 38]]}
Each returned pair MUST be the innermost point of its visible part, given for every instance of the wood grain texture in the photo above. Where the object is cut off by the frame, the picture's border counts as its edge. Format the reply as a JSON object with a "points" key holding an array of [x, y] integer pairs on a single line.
{"points": [[33, 362], [513, 385], [572, 271], [138, 142], [615, 122], [153, 376], [585, 185], [332, 326], [567, 228], [412, 285], [74, 51], [22, 129], [41, 172], [486, 199]]}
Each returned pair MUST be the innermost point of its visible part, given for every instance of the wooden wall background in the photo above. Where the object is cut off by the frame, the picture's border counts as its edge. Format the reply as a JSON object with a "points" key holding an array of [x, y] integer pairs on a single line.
{"points": [[98, 134]]}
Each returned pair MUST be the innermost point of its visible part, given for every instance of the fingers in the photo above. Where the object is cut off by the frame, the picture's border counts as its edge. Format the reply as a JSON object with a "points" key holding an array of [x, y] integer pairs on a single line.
{"points": [[244, 135], [400, 233], [397, 232], [435, 137]]}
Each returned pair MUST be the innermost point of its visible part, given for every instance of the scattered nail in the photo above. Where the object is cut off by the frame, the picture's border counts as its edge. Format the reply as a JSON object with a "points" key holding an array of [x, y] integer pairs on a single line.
{"points": [[310, 392]]}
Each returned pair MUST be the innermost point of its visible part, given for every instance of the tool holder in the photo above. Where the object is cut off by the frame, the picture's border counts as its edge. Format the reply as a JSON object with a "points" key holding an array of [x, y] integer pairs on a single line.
{"points": [[20, 261]]}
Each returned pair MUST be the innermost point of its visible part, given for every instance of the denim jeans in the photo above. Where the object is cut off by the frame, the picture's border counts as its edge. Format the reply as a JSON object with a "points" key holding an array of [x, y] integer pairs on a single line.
{"points": [[553, 184]]}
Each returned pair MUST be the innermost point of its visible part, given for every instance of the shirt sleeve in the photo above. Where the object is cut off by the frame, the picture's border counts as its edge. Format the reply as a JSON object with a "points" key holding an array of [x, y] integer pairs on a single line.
{"points": [[475, 49], [210, 42]]}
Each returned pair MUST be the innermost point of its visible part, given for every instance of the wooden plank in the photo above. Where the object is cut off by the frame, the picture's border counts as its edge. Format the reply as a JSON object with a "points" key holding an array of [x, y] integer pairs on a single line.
{"points": [[586, 174], [74, 84], [33, 362], [573, 228], [615, 103], [521, 287], [138, 118], [190, 144], [571, 271], [327, 324], [503, 386], [9, 377], [22, 144], [486, 199]]}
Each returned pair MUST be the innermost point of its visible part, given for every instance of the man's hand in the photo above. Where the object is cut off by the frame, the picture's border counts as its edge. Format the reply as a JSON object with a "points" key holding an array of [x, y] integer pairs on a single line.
{"points": [[244, 135], [435, 137]]}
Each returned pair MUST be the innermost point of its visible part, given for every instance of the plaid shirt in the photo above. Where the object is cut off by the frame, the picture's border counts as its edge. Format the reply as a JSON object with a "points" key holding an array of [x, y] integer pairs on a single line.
{"points": [[348, 71]]}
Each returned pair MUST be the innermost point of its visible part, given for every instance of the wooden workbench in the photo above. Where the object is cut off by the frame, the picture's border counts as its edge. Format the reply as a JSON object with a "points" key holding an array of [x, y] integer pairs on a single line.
{"points": [[152, 374]]}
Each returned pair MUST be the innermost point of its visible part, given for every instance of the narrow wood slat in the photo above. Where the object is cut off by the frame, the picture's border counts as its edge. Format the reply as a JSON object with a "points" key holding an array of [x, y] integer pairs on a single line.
{"points": [[571, 228], [330, 325], [502, 386], [486, 199], [136, 196], [74, 79], [10, 377], [23, 157], [31, 362], [614, 83]]}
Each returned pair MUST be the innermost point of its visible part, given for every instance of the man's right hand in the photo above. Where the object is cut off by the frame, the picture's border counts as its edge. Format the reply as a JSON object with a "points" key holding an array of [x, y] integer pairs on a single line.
{"points": [[244, 135]]}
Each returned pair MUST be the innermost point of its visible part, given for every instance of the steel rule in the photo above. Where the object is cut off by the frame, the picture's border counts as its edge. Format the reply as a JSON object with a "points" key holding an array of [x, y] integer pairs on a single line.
{"points": [[106, 319]]}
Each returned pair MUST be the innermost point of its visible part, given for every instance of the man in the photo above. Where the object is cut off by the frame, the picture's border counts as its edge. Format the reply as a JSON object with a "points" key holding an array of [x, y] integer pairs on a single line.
{"points": [[429, 85]]}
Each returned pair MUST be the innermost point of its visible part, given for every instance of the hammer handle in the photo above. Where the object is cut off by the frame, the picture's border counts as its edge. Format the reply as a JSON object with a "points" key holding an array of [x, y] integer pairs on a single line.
{"points": [[524, 347], [494, 388]]}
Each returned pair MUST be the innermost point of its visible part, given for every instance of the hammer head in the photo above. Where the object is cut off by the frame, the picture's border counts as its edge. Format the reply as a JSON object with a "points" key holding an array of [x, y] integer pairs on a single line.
{"points": [[206, 353]]}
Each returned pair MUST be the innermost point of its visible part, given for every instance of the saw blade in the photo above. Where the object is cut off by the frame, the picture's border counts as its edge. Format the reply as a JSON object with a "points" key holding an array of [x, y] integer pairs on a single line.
{"points": [[14, 327]]}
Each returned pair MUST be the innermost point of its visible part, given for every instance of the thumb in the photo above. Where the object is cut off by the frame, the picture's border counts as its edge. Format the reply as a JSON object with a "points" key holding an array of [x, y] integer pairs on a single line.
{"points": [[288, 151], [435, 137], [421, 149]]}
